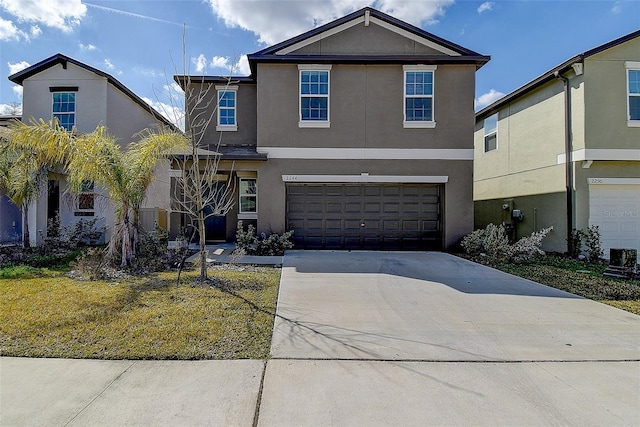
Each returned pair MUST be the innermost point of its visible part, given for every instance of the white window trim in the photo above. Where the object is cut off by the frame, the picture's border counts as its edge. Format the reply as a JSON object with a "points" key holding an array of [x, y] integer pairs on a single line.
{"points": [[635, 66], [223, 89], [412, 124], [247, 215], [314, 123], [494, 132]]}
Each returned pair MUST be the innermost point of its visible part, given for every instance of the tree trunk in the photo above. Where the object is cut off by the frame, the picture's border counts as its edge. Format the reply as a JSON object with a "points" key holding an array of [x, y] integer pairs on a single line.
{"points": [[135, 236], [26, 240], [126, 238], [203, 246]]}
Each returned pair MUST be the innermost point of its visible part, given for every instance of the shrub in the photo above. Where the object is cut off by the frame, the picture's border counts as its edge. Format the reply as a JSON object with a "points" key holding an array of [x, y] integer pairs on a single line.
{"points": [[92, 264], [592, 242], [491, 241], [273, 245], [528, 247], [494, 243], [574, 243], [60, 239]]}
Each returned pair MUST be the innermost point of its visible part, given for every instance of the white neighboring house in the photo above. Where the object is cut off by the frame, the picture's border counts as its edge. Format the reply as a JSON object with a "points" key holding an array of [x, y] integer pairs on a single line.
{"points": [[84, 97]]}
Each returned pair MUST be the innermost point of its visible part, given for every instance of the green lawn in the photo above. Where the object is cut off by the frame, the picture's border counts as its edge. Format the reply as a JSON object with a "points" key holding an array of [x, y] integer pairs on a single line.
{"points": [[46, 314], [582, 279]]}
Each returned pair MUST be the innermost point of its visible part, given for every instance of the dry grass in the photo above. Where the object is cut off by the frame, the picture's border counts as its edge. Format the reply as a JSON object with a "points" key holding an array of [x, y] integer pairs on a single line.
{"points": [[140, 318], [582, 279]]}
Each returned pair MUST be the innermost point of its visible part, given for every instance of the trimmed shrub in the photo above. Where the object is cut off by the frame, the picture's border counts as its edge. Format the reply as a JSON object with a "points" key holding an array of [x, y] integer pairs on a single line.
{"points": [[493, 242], [273, 245]]}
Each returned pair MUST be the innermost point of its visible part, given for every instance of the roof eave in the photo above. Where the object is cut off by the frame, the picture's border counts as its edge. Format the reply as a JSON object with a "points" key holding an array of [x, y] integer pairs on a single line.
{"points": [[550, 75], [528, 87]]}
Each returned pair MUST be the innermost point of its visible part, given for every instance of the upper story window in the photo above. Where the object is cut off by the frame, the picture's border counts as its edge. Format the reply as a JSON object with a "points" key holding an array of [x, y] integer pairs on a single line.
{"points": [[314, 95], [418, 96], [227, 108], [633, 93], [64, 106], [491, 133]]}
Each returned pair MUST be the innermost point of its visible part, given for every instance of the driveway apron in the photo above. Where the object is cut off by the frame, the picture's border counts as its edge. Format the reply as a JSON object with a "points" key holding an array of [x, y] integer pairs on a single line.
{"points": [[413, 339]]}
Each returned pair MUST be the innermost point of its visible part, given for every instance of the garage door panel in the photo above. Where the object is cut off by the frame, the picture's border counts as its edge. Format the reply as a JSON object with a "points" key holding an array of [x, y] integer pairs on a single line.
{"points": [[372, 191], [371, 216]]}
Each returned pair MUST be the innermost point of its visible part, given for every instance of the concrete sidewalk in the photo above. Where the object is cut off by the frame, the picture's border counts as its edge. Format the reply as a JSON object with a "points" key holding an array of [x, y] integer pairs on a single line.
{"points": [[222, 253], [370, 339]]}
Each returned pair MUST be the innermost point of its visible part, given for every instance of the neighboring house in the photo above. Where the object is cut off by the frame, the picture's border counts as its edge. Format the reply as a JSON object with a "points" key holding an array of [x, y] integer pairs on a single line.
{"points": [[357, 134], [586, 110], [10, 215], [84, 97]]}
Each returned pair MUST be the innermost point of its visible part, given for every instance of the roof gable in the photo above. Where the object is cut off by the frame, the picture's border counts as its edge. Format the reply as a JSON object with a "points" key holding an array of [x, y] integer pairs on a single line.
{"points": [[60, 59], [411, 43]]}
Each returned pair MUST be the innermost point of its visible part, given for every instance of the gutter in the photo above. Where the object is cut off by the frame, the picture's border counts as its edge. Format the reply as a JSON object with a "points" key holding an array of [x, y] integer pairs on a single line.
{"points": [[568, 148]]}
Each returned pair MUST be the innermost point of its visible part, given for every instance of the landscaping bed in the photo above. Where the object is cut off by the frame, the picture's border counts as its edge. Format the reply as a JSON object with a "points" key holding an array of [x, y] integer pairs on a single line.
{"points": [[44, 313], [578, 277]]}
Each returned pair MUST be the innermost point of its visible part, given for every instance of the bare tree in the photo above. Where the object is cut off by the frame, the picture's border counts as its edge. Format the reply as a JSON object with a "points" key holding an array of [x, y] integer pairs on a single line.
{"points": [[200, 191]]}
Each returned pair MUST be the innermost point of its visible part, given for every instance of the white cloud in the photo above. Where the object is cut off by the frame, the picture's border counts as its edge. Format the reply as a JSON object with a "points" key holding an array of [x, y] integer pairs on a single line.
{"points": [[171, 112], [486, 6], [239, 68], [8, 31], [18, 66], [273, 22], [35, 31], [201, 63], [487, 98], [220, 62], [242, 67], [60, 14], [17, 89], [617, 8], [87, 47], [11, 109], [109, 64]]}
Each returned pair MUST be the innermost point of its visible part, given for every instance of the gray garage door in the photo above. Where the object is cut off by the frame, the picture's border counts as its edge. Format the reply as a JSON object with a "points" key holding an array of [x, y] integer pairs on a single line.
{"points": [[371, 216]]}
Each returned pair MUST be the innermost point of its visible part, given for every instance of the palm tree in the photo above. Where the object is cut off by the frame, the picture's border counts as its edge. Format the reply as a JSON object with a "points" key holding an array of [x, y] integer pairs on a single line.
{"points": [[24, 169], [96, 157]]}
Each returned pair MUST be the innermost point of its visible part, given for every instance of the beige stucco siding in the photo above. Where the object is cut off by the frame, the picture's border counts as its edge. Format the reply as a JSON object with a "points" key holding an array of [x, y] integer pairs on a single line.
{"points": [[606, 98], [366, 109], [38, 102], [246, 107], [530, 138], [357, 41]]}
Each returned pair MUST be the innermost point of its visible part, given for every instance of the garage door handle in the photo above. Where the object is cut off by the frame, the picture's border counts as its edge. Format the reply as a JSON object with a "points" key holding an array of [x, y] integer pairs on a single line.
{"points": [[362, 224]]}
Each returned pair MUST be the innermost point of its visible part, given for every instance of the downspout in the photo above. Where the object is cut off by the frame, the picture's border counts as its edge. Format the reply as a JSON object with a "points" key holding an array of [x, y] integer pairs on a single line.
{"points": [[568, 157]]}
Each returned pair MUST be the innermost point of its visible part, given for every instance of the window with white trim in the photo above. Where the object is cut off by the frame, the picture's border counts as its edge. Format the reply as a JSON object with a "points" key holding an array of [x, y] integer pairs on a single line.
{"points": [[314, 95], [64, 109], [227, 108], [248, 197], [418, 96], [633, 93], [491, 133], [86, 200]]}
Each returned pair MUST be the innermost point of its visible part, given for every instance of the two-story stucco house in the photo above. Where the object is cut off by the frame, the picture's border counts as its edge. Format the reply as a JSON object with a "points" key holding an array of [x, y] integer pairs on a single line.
{"points": [[357, 134], [564, 150], [82, 97]]}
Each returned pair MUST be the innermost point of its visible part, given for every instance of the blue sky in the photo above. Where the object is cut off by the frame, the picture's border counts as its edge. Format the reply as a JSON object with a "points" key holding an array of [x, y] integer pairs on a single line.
{"points": [[140, 42]]}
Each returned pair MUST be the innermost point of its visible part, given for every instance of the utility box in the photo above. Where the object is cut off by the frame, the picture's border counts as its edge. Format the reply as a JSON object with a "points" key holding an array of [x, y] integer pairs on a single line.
{"points": [[623, 264]]}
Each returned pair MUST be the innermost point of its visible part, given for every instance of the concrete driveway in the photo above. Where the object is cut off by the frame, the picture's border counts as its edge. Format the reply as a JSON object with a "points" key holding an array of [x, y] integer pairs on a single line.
{"points": [[375, 338]]}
